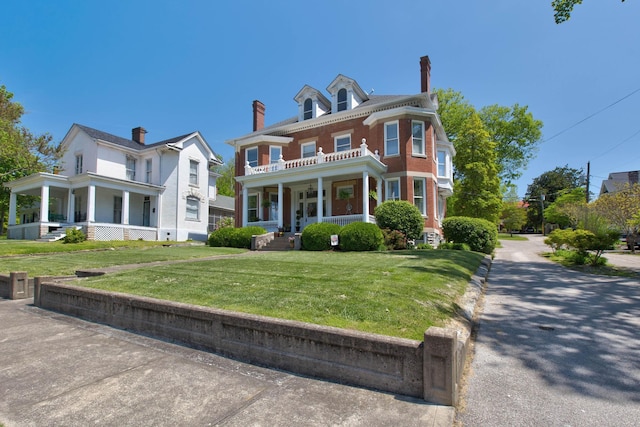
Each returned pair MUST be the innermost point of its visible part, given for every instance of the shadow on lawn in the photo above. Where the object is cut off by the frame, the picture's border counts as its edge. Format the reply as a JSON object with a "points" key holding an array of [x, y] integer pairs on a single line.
{"points": [[574, 330]]}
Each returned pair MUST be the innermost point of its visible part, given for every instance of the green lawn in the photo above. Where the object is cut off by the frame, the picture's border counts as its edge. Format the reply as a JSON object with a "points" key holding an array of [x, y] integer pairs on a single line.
{"points": [[398, 293], [508, 236], [58, 262]]}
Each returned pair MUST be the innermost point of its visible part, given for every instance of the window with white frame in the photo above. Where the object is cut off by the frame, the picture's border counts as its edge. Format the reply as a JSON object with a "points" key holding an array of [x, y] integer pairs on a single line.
{"points": [[78, 164], [308, 149], [193, 208], [274, 154], [193, 172], [417, 138], [391, 141], [308, 109], [148, 170], [251, 156], [419, 195], [342, 99], [442, 163], [252, 207], [393, 189], [343, 143], [131, 168]]}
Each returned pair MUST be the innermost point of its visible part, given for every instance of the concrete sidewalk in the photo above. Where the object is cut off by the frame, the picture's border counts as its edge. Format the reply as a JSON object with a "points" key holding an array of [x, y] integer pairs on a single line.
{"points": [[554, 347], [58, 370]]}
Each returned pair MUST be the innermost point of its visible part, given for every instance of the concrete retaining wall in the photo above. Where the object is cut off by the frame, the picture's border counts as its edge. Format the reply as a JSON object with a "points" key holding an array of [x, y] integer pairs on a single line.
{"points": [[16, 285]]}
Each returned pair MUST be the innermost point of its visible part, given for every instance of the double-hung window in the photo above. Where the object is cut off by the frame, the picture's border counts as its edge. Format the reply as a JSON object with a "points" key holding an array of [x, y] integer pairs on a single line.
{"points": [[148, 170], [308, 149], [252, 207], [393, 189], [442, 163], [343, 143], [419, 196], [131, 168], [274, 154], [251, 155], [78, 164], [193, 172], [308, 109], [193, 209], [391, 141], [417, 138], [342, 99]]}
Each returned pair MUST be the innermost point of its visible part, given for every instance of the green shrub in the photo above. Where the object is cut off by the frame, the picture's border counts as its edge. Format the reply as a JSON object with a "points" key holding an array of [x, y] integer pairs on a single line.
{"points": [[394, 239], [481, 235], [74, 236], [234, 237], [361, 236], [402, 216], [423, 246], [559, 239], [454, 246], [317, 237]]}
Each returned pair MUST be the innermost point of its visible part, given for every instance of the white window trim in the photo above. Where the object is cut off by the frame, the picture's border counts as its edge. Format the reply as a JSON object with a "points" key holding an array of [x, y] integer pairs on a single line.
{"points": [[343, 136], [246, 155], [148, 170], [387, 192], [446, 164], [271, 159], [256, 209], [424, 211], [131, 170], [197, 211], [397, 124], [79, 163], [307, 144], [197, 178], [424, 148]]}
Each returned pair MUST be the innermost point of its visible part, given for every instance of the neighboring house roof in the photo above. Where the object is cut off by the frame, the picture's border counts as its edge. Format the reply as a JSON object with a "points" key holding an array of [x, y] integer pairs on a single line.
{"points": [[617, 180], [224, 203], [133, 145]]}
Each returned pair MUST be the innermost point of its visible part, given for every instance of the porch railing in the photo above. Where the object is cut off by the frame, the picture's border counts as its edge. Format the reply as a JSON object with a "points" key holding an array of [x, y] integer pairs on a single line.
{"points": [[343, 220], [320, 157]]}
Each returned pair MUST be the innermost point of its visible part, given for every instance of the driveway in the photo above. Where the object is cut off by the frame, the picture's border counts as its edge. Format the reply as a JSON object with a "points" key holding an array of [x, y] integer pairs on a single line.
{"points": [[554, 347]]}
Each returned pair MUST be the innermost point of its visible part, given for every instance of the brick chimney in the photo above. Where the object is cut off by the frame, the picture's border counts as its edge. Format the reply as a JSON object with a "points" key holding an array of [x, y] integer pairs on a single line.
{"points": [[425, 74], [258, 115], [137, 134]]}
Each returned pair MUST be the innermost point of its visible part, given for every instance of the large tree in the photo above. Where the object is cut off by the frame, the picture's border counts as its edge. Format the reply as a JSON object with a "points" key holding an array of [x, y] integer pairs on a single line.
{"points": [[477, 191], [620, 207], [562, 9], [547, 187], [21, 152], [567, 209], [513, 129], [226, 183]]}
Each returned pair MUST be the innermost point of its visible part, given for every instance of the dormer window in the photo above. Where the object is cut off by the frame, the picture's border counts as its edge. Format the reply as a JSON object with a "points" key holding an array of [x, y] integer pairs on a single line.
{"points": [[342, 99], [308, 109]]}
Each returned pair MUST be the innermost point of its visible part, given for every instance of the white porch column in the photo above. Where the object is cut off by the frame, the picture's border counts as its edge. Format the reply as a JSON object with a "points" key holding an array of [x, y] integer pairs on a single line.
{"points": [[365, 196], [44, 203], [245, 207], [320, 199], [91, 204], [125, 207], [13, 206], [71, 202], [280, 206]]}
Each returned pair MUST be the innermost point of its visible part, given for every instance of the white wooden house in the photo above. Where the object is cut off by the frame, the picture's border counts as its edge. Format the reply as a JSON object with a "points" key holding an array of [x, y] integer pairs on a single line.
{"points": [[116, 188]]}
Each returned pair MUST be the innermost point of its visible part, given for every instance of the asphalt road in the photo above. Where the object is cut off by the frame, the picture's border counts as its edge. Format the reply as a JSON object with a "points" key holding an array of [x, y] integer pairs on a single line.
{"points": [[554, 347]]}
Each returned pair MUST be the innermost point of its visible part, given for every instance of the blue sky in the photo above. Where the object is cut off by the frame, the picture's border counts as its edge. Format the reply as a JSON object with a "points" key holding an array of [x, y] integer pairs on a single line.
{"points": [[175, 67]]}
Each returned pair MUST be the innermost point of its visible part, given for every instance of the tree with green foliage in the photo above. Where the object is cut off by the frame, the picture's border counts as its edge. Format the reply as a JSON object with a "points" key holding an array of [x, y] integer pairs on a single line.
{"points": [[619, 209], [477, 190], [563, 8], [514, 216], [514, 130], [544, 190], [225, 183], [567, 209], [21, 152]]}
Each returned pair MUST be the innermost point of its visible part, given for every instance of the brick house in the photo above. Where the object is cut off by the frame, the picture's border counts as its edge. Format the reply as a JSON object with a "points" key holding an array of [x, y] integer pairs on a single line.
{"points": [[341, 155]]}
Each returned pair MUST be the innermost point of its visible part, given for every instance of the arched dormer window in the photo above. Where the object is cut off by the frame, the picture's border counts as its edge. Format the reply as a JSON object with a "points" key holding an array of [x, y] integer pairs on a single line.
{"points": [[308, 109], [342, 99]]}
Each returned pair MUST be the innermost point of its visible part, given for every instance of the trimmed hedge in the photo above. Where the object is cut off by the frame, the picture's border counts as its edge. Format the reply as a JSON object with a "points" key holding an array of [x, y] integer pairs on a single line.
{"points": [[402, 216], [481, 235], [235, 237], [317, 237], [361, 236]]}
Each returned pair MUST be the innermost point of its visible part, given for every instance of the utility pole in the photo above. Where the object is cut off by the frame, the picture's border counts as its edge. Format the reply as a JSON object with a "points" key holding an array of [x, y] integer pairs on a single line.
{"points": [[588, 174], [542, 197]]}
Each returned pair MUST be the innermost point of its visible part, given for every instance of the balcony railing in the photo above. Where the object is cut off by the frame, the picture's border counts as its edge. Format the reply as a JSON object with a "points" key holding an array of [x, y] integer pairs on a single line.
{"points": [[319, 158]]}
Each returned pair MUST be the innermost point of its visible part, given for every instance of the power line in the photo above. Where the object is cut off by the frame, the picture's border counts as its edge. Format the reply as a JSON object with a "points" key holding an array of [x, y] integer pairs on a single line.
{"points": [[590, 116]]}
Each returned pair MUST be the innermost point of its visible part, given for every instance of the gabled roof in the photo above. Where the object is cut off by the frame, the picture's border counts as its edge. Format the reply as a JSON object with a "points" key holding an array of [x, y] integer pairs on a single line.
{"points": [[342, 80], [133, 145], [617, 180]]}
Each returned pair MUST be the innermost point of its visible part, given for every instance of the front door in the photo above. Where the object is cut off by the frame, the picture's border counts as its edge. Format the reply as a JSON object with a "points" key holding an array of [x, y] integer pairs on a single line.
{"points": [[146, 212]]}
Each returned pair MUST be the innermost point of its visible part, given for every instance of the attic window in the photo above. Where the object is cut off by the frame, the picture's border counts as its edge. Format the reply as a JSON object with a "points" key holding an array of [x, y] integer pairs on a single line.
{"points": [[342, 99], [308, 109]]}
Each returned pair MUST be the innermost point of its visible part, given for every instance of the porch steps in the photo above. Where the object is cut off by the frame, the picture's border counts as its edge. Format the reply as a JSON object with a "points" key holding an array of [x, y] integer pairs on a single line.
{"points": [[278, 244], [55, 235]]}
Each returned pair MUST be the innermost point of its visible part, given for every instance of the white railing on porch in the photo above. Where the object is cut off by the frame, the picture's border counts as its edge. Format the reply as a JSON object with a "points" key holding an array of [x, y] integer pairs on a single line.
{"points": [[343, 220], [267, 225], [319, 158]]}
